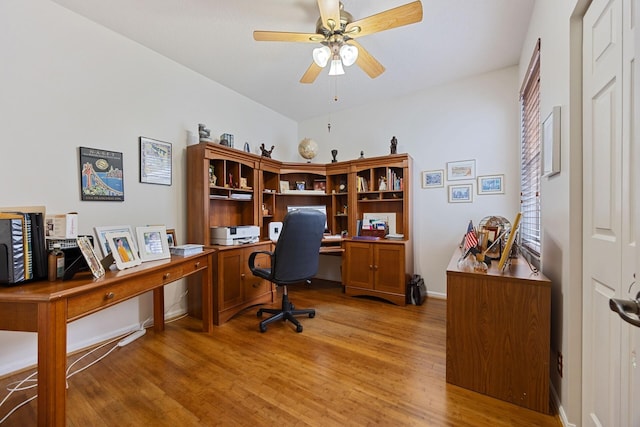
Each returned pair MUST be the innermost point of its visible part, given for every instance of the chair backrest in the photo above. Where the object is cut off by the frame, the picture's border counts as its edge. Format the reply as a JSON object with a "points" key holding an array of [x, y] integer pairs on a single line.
{"points": [[297, 251]]}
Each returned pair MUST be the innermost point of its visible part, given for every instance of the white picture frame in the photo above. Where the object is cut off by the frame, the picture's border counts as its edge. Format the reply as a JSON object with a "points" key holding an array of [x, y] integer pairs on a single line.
{"points": [[460, 193], [491, 184], [153, 242], [101, 235], [550, 136], [461, 170], [433, 178], [121, 245]]}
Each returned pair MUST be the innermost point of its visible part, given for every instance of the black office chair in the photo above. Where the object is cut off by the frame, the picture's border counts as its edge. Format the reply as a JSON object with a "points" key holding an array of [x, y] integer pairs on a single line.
{"points": [[295, 259]]}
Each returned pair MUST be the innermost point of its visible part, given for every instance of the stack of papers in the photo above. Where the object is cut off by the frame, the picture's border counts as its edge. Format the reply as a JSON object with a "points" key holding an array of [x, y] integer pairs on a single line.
{"points": [[186, 250]]}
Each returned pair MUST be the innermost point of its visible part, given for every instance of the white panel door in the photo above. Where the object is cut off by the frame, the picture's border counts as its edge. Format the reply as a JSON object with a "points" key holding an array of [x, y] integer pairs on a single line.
{"points": [[602, 211]]}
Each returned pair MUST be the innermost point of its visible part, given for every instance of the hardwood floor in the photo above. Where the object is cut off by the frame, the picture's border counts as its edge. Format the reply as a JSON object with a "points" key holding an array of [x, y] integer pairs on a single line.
{"points": [[358, 362]]}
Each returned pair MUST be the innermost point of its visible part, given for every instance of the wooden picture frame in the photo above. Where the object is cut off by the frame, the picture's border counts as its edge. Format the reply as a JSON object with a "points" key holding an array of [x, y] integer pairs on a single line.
{"points": [[90, 256], [155, 161], [101, 234], [433, 179], [491, 184], [153, 242], [122, 247], [171, 237], [506, 253], [462, 193], [460, 170]]}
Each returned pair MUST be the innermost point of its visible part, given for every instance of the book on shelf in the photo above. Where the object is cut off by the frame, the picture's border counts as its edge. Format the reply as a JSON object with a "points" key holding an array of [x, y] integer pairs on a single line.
{"points": [[186, 250]]}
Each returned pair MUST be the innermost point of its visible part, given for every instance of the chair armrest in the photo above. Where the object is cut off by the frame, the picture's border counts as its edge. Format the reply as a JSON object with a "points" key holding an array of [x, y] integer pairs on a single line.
{"points": [[253, 255]]}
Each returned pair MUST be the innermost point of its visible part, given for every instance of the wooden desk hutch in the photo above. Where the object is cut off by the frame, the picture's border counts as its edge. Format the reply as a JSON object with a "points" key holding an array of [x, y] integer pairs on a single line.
{"points": [[230, 187]]}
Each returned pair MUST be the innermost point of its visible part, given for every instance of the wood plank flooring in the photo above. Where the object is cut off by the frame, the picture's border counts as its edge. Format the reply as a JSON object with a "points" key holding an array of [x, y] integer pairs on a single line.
{"points": [[359, 362]]}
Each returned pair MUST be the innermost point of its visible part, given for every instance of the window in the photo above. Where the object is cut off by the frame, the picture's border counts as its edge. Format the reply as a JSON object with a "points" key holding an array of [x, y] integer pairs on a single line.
{"points": [[530, 166]]}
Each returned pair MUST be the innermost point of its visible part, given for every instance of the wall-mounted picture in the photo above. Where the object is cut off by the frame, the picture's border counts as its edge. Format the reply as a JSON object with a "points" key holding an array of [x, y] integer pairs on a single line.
{"points": [[551, 143], [433, 179], [101, 234], [101, 175], [491, 184], [462, 193], [155, 161], [90, 256], [123, 249], [171, 237], [464, 169], [153, 242]]}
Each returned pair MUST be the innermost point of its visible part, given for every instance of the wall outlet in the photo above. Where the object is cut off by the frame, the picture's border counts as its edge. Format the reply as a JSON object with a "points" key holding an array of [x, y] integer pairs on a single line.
{"points": [[559, 363]]}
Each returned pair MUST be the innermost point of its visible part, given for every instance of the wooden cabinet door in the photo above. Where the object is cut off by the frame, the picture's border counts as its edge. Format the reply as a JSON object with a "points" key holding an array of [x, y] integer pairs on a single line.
{"points": [[230, 270], [359, 265], [253, 286], [388, 268]]}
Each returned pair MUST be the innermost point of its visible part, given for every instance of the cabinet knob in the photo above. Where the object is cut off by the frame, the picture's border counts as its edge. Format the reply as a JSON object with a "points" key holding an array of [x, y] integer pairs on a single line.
{"points": [[242, 276], [109, 295], [197, 264], [370, 267], [165, 276], [256, 285]]}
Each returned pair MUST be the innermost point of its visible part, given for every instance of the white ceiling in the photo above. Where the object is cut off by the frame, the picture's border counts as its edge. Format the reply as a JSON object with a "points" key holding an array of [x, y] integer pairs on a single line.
{"points": [[456, 39]]}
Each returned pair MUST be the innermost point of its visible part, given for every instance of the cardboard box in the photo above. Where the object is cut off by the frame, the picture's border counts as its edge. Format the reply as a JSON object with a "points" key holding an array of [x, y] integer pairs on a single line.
{"points": [[63, 226]]}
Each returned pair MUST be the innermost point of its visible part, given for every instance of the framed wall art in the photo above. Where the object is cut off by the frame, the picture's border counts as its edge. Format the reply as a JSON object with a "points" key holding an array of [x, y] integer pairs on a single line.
{"points": [[433, 179], [123, 249], [155, 161], [464, 169], [101, 234], [153, 242], [551, 143], [462, 193], [101, 175], [491, 184]]}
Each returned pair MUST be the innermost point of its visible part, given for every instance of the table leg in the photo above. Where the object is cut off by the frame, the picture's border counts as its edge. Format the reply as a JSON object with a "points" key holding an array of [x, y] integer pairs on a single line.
{"points": [[158, 309], [52, 362], [207, 295]]}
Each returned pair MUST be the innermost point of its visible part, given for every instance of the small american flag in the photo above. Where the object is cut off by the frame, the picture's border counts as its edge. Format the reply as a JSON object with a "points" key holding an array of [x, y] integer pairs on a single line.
{"points": [[470, 239]]}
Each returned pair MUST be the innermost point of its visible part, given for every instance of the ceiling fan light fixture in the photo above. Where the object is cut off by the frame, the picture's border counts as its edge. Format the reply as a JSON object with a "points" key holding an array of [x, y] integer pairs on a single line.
{"points": [[321, 56], [336, 67], [349, 54]]}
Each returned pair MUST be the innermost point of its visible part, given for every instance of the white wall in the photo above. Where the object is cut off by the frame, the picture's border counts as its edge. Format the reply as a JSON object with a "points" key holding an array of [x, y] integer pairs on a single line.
{"points": [[561, 195], [66, 82], [477, 118]]}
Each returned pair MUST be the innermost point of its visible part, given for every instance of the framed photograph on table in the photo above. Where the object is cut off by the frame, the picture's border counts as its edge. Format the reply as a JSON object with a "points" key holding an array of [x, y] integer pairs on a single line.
{"points": [[433, 179], [90, 256], [465, 169], [491, 184], [101, 234], [153, 242], [171, 237], [121, 244], [461, 193]]}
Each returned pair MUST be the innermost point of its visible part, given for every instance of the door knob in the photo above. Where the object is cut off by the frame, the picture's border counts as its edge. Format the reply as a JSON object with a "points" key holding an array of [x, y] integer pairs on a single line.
{"points": [[626, 308]]}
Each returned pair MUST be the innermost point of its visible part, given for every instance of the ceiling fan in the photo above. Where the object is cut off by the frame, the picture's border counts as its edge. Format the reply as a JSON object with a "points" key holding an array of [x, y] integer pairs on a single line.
{"points": [[336, 31]]}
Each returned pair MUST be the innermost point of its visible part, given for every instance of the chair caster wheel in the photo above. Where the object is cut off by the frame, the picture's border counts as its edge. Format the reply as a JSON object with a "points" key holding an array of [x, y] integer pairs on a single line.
{"points": [[299, 328], [263, 329], [312, 315]]}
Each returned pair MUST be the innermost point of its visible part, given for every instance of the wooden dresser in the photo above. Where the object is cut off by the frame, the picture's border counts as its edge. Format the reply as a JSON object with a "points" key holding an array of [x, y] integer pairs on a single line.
{"points": [[498, 332]]}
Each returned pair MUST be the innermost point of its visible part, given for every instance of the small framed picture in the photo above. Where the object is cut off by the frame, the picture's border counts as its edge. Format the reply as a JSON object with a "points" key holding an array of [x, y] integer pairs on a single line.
{"points": [[462, 193], [300, 185], [491, 184], [433, 179], [90, 256], [171, 237], [101, 234], [284, 186], [122, 247], [464, 169], [153, 242]]}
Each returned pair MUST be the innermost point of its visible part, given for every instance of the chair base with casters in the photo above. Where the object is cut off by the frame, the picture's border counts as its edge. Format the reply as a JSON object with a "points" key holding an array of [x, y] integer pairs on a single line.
{"points": [[286, 312], [294, 260]]}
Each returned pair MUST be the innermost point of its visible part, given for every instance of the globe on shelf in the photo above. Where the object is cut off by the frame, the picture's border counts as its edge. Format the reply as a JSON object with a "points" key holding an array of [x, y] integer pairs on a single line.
{"points": [[308, 149]]}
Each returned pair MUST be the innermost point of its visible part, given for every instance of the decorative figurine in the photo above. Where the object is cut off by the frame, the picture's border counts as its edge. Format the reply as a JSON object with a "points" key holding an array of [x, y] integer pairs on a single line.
{"points": [[247, 148], [361, 155], [382, 184], [394, 145], [334, 153], [265, 152], [205, 134], [212, 176]]}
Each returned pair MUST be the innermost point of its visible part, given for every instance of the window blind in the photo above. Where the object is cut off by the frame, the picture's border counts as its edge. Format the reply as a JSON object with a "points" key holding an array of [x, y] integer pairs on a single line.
{"points": [[530, 166]]}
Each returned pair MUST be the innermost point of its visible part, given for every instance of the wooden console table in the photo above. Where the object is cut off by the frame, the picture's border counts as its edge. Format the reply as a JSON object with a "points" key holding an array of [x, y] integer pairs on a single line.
{"points": [[498, 332], [46, 307]]}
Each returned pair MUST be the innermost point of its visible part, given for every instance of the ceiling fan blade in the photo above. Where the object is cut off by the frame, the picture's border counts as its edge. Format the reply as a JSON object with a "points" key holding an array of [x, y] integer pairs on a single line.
{"points": [[330, 10], [311, 74], [397, 17], [279, 36], [366, 61]]}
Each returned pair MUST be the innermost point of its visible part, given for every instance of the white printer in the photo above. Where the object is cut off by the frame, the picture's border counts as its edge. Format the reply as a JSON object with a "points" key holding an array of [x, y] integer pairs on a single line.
{"points": [[235, 235]]}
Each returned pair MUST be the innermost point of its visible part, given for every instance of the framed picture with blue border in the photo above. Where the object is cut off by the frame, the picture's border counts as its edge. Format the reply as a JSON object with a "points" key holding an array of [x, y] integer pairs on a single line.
{"points": [[433, 179], [491, 184]]}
